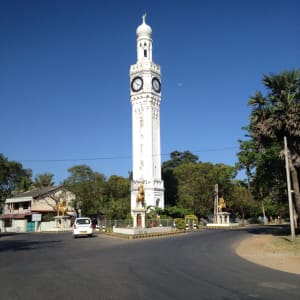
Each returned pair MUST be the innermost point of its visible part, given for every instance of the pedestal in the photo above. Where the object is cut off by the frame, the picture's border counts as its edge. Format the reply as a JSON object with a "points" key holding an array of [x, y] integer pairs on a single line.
{"points": [[139, 215], [61, 221], [223, 218]]}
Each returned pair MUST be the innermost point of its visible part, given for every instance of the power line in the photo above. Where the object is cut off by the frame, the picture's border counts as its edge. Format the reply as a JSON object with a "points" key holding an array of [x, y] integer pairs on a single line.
{"points": [[119, 157]]}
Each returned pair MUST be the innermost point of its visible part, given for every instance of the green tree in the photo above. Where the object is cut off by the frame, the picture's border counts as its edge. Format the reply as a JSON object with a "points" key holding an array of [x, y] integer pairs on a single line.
{"points": [[195, 189], [241, 203], [177, 158], [12, 178], [25, 183], [88, 188], [273, 116], [43, 180], [117, 195]]}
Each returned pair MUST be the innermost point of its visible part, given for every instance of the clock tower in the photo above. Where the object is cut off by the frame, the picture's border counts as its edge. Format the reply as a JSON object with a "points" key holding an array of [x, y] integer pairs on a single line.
{"points": [[145, 97]]}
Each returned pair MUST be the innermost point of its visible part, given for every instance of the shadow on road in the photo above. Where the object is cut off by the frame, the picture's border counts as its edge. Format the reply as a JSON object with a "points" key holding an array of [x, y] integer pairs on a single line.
{"points": [[276, 230], [25, 245]]}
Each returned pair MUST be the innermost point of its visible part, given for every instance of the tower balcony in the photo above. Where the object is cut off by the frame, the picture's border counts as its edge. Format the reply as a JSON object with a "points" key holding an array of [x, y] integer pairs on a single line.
{"points": [[157, 184]]}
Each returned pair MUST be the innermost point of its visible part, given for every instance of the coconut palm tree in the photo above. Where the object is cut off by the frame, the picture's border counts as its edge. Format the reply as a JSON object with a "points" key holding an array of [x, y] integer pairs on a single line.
{"points": [[43, 180]]}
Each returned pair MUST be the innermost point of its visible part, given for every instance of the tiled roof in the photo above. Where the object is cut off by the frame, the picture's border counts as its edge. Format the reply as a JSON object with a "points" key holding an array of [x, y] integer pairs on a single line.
{"points": [[39, 192], [15, 216]]}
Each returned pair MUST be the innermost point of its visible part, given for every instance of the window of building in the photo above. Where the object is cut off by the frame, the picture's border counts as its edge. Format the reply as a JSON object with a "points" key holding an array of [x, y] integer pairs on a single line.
{"points": [[7, 222]]}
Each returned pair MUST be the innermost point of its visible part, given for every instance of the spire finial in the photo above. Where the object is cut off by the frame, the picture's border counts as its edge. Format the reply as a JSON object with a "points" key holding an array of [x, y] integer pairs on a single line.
{"points": [[144, 18]]}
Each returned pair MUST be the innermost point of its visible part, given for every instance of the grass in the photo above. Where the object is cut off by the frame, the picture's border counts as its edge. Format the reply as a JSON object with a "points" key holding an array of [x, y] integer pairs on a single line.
{"points": [[284, 244]]}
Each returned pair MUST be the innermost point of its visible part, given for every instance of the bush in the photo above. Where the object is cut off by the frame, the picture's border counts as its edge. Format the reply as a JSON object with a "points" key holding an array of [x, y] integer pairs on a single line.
{"points": [[48, 217], [180, 223]]}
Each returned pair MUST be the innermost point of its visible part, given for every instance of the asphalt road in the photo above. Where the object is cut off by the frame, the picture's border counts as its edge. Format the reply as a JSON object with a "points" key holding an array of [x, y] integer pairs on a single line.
{"points": [[197, 265]]}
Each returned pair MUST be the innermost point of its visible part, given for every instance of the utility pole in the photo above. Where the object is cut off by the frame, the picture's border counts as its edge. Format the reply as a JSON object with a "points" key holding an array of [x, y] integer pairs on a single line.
{"points": [[288, 178], [216, 202]]}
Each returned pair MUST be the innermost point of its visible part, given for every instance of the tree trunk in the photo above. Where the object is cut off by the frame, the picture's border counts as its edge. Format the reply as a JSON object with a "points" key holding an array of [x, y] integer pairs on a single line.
{"points": [[296, 191]]}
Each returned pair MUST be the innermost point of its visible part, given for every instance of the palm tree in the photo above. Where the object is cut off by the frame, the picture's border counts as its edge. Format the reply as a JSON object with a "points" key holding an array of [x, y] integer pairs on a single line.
{"points": [[43, 180], [277, 115]]}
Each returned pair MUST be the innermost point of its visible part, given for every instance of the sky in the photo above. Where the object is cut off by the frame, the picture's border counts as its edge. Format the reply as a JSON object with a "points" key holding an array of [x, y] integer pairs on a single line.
{"points": [[64, 76]]}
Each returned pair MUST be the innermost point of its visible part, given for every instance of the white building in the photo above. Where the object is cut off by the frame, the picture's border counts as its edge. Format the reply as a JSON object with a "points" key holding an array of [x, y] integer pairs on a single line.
{"points": [[145, 97]]}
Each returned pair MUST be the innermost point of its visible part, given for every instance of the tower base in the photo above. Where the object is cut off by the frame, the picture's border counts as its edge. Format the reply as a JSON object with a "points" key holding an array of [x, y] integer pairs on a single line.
{"points": [[154, 193], [139, 215]]}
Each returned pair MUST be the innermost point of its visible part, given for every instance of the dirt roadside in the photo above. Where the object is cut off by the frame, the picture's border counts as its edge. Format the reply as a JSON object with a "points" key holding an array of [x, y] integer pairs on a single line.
{"points": [[267, 250]]}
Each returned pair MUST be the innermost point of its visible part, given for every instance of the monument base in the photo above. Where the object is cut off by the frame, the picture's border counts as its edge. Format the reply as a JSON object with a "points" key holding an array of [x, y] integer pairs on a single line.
{"points": [[139, 216], [222, 221], [61, 222], [216, 225], [139, 230]]}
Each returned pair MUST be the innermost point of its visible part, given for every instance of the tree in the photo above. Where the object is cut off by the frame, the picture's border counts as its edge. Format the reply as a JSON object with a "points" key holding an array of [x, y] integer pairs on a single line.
{"points": [[43, 180], [88, 188], [274, 116], [241, 202], [12, 178], [177, 158], [195, 187], [117, 194]]}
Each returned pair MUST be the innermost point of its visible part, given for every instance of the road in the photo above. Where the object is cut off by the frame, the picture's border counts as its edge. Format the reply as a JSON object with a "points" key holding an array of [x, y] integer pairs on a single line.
{"points": [[196, 265]]}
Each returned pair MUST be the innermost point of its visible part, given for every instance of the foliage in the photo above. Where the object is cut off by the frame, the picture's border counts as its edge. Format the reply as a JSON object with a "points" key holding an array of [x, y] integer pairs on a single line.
{"points": [[43, 180], [177, 158], [46, 217], [273, 117], [97, 196], [196, 183], [180, 223], [275, 208], [176, 212], [87, 187], [190, 183], [241, 203], [191, 219], [117, 197], [13, 178]]}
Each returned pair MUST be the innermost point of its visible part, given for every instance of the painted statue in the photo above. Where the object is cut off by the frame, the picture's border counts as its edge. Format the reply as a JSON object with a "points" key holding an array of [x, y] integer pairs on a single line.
{"points": [[61, 208], [140, 198], [221, 204]]}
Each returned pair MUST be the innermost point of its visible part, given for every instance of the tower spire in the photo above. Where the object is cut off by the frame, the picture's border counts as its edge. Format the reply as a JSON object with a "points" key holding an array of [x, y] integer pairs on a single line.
{"points": [[144, 41], [144, 18]]}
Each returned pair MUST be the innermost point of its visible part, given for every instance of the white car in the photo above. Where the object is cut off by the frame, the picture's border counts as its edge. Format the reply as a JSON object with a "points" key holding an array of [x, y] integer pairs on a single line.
{"points": [[82, 226]]}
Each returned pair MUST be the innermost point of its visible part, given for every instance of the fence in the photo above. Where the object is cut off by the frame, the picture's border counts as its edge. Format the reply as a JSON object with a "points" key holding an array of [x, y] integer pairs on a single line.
{"points": [[128, 223]]}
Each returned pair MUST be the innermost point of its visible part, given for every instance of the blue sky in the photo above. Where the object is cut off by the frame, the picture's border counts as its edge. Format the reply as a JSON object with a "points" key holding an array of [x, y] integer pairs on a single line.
{"points": [[64, 76]]}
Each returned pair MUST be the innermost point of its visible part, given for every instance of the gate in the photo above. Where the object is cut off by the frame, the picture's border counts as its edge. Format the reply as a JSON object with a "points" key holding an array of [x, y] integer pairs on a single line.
{"points": [[30, 226]]}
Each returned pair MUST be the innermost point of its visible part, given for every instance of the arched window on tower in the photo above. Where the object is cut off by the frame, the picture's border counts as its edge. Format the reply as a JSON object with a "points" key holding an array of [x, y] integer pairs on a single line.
{"points": [[145, 50]]}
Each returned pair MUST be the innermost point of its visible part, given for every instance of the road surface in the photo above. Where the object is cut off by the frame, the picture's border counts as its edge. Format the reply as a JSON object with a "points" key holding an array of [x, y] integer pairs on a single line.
{"points": [[196, 265]]}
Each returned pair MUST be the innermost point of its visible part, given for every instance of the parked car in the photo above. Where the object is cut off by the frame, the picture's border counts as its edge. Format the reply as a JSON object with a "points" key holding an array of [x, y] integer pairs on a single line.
{"points": [[82, 227]]}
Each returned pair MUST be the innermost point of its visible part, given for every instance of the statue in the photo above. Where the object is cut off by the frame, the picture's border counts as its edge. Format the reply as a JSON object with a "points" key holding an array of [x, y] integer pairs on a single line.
{"points": [[140, 198], [61, 208], [221, 204]]}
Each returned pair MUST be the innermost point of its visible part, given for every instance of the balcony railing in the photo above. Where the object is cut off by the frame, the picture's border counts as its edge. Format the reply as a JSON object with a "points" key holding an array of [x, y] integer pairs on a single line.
{"points": [[16, 211]]}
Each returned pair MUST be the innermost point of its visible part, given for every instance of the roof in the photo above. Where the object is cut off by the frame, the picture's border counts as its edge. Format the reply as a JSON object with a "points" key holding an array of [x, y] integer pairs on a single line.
{"points": [[39, 192], [15, 216]]}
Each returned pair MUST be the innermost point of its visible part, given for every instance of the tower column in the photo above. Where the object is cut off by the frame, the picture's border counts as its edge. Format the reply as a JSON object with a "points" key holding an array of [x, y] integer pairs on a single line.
{"points": [[145, 97]]}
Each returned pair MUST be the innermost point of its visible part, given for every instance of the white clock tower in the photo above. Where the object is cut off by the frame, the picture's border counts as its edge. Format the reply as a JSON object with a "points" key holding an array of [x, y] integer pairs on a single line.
{"points": [[145, 97]]}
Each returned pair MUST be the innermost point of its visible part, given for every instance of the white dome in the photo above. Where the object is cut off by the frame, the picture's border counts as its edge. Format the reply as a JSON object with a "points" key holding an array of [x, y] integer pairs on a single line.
{"points": [[144, 30]]}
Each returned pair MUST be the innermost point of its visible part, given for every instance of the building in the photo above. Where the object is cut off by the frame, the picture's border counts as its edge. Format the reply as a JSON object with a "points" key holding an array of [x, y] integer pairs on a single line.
{"points": [[145, 97], [26, 211]]}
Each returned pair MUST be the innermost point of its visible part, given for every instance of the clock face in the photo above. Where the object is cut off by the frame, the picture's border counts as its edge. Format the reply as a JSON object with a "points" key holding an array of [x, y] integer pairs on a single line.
{"points": [[156, 85], [137, 84]]}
